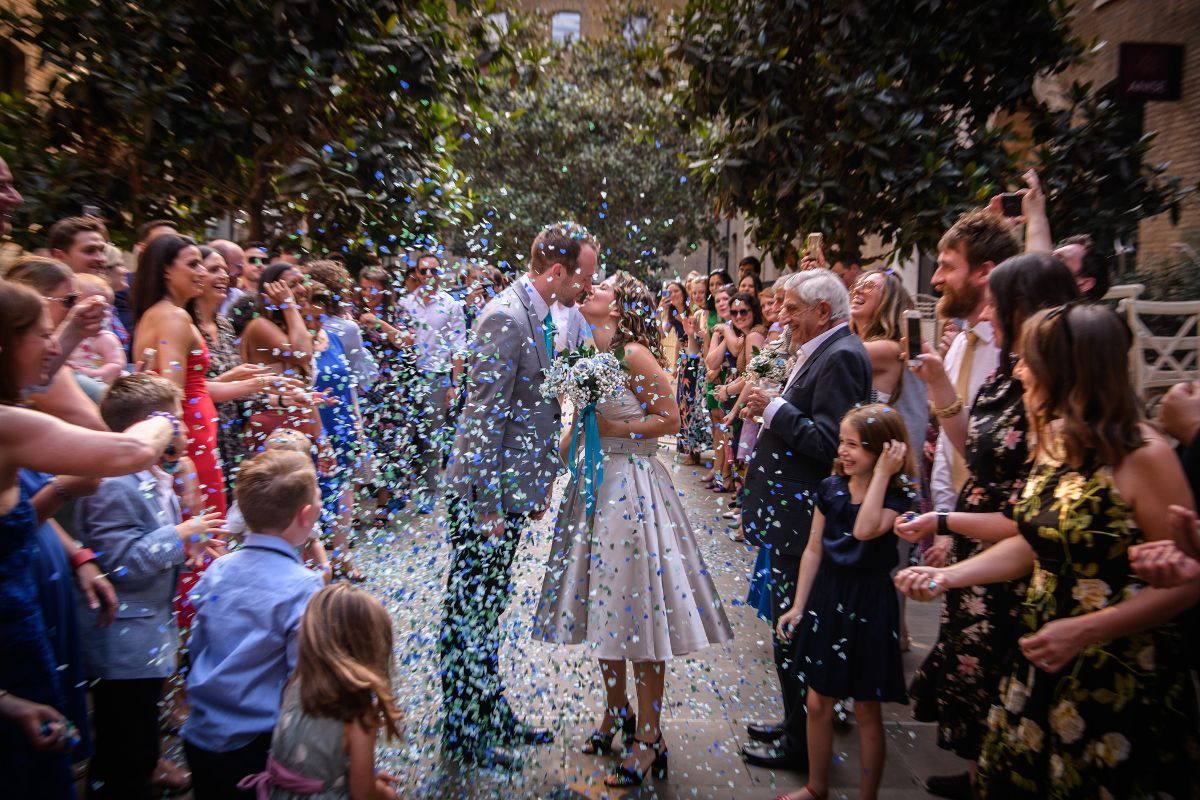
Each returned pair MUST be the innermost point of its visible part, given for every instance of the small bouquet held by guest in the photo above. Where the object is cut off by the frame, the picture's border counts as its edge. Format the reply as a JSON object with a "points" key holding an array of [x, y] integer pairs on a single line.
{"points": [[585, 377], [768, 369]]}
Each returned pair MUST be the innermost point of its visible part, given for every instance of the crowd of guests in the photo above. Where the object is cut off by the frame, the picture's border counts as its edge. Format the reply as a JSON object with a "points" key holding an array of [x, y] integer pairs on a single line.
{"points": [[198, 443]]}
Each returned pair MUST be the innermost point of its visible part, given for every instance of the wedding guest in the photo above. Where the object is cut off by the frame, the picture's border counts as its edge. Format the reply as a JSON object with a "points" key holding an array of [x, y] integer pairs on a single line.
{"points": [[750, 265], [388, 402], [33, 440], [439, 337], [133, 524], [639, 553], [1095, 699], [79, 242], [720, 360], [847, 265], [845, 614], [695, 432], [234, 259], [118, 281], [952, 687], [338, 699], [339, 322], [747, 319], [796, 445], [248, 609], [100, 357], [279, 340], [750, 284]]}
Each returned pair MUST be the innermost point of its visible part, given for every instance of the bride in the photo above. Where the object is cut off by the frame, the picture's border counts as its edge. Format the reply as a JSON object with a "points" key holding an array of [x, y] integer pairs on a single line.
{"points": [[629, 581]]}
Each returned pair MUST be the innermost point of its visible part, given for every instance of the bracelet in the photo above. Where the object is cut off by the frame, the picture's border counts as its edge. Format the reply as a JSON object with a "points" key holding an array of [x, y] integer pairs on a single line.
{"points": [[59, 489], [951, 410], [82, 556], [175, 426]]}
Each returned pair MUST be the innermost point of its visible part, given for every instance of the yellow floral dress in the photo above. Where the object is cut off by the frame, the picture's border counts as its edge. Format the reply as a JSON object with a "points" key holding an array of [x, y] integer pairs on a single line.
{"points": [[1120, 720]]}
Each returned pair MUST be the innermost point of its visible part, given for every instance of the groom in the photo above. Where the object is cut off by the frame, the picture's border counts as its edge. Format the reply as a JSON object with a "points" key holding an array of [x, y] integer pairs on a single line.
{"points": [[500, 476]]}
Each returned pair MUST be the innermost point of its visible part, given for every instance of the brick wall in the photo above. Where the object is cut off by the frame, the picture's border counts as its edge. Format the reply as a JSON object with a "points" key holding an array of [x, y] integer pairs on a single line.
{"points": [[1112, 22]]}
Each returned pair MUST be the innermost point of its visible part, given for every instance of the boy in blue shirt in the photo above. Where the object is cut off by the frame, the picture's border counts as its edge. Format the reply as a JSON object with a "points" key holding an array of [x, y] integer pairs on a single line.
{"points": [[248, 609]]}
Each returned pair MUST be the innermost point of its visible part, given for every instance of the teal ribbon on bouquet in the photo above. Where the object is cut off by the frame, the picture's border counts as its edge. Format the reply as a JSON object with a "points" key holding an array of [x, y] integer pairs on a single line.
{"points": [[593, 460]]}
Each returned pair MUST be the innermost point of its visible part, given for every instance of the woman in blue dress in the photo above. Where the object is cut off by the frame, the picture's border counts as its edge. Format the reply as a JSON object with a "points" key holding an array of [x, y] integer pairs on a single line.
{"points": [[339, 449], [34, 733]]}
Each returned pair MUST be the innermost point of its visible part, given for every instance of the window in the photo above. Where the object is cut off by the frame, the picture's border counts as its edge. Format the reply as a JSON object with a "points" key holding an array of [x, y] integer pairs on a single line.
{"points": [[564, 27], [634, 28]]}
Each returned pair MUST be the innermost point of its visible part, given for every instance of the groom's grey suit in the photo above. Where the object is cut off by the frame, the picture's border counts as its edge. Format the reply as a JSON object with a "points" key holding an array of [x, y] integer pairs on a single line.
{"points": [[505, 459]]}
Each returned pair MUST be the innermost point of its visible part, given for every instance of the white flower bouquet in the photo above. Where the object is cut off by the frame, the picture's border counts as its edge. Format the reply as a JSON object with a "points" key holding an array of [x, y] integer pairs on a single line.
{"points": [[584, 376], [768, 365]]}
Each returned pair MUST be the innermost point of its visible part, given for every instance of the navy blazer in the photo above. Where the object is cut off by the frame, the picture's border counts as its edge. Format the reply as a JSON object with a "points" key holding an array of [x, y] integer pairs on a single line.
{"points": [[796, 452], [138, 546]]}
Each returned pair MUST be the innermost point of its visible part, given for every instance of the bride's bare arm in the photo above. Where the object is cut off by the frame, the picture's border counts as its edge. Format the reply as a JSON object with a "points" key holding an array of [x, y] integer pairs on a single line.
{"points": [[649, 382]]}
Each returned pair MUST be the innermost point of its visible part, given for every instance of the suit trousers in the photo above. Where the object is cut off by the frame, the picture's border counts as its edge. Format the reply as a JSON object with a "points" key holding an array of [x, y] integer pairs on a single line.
{"points": [[478, 587], [125, 716], [215, 776], [429, 435], [785, 571]]}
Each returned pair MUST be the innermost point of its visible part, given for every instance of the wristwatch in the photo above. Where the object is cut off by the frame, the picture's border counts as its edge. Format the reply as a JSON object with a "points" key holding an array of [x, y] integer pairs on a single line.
{"points": [[943, 523]]}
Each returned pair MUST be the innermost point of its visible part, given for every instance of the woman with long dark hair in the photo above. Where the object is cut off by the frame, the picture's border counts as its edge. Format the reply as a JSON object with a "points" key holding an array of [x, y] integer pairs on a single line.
{"points": [[955, 687], [1094, 698], [675, 315]]}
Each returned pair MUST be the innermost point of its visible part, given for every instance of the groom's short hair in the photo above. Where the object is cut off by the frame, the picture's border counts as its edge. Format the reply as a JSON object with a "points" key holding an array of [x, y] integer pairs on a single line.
{"points": [[559, 244]]}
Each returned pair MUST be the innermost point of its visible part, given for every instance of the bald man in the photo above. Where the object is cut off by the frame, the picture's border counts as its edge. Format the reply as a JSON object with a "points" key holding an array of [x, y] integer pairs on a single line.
{"points": [[235, 262]]}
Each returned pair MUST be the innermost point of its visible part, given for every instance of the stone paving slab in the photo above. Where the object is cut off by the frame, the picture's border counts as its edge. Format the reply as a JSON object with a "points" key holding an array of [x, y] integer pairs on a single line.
{"points": [[709, 697]]}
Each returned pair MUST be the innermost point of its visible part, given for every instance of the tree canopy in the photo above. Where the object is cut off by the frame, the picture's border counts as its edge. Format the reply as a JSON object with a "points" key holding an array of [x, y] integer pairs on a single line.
{"points": [[329, 112], [588, 134], [861, 117]]}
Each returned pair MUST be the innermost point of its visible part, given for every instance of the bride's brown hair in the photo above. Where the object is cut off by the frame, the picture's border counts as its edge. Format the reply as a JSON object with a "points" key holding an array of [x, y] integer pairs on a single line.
{"points": [[344, 668], [638, 321]]}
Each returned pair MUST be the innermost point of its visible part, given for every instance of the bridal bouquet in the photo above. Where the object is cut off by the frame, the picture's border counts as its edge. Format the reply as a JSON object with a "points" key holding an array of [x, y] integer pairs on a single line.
{"points": [[584, 376], [768, 365]]}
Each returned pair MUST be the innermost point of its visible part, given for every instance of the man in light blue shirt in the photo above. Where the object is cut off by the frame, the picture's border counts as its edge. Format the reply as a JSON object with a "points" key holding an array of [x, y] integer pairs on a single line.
{"points": [[248, 608]]}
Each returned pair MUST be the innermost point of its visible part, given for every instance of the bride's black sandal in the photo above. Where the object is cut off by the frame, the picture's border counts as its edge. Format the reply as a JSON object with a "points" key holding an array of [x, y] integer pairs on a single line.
{"points": [[601, 741], [623, 776]]}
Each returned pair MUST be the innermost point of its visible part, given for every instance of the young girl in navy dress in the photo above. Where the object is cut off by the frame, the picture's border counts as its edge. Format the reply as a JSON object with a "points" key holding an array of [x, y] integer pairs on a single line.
{"points": [[845, 616]]}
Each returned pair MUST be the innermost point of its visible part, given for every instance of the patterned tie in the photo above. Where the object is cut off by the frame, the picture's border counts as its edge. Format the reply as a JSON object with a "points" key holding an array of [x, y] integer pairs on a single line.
{"points": [[548, 333], [958, 466]]}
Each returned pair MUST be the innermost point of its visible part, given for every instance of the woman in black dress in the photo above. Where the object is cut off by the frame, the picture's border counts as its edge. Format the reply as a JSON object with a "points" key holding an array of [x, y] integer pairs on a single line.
{"points": [[957, 683]]}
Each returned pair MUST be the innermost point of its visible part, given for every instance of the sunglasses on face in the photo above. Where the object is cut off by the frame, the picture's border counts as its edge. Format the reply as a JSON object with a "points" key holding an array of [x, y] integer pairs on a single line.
{"points": [[258, 260], [426, 272], [68, 302], [741, 312]]}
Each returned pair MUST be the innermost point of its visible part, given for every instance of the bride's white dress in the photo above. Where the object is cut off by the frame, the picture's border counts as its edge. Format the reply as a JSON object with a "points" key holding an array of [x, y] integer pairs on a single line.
{"points": [[632, 584]]}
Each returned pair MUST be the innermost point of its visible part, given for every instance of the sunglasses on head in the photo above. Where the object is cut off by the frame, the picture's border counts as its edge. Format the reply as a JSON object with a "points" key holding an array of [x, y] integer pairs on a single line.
{"points": [[68, 302]]}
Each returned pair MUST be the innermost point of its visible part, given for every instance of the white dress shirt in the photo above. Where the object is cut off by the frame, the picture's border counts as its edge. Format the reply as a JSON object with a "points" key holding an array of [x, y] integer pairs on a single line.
{"points": [[570, 328], [439, 329], [803, 354], [987, 358]]}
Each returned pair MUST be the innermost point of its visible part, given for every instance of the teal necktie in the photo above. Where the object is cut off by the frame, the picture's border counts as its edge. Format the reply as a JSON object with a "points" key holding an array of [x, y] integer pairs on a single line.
{"points": [[548, 333]]}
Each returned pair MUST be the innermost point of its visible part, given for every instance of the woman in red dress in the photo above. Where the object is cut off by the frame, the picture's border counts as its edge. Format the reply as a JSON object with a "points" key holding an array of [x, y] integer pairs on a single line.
{"points": [[170, 276]]}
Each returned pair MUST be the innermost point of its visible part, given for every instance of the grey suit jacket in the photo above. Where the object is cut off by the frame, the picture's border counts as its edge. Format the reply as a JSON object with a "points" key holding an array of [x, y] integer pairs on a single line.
{"points": [[137, 545], [505, 455]]}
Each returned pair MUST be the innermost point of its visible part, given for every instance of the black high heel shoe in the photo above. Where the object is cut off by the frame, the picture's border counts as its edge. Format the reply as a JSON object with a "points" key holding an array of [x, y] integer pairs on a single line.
{"points": [[600, 742], [623, 776]]}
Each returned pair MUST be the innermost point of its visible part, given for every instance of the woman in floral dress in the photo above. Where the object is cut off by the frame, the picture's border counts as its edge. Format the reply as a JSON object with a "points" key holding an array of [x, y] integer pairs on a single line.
{"points": [[957, 683], [1096, 700]]}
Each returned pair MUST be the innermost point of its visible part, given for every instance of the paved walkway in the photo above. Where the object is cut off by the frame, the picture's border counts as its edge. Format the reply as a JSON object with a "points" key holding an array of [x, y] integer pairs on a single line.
{"points": [[709, 698]]}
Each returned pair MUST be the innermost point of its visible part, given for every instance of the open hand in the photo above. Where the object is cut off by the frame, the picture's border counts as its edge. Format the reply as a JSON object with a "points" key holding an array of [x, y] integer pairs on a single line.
{"points": [[280, 294], [241, 372]]}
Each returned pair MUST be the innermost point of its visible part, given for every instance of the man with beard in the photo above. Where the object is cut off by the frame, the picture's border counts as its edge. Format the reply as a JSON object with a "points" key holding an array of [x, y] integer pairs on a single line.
{"points": [[976, 243]]}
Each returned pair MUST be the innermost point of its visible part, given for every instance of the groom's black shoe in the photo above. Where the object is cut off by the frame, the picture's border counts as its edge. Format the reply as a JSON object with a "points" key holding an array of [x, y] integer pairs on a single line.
{"points": [[773, 756], [483, 757], [512, 731], [765, 731]]}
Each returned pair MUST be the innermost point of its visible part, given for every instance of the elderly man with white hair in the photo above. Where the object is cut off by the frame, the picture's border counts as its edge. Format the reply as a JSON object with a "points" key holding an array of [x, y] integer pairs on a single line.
{"points": [[795, 451]]}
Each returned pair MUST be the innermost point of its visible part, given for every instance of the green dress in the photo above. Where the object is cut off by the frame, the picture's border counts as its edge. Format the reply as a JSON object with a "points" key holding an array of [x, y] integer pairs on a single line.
{"points": [[315, 747], [1120, 720]]}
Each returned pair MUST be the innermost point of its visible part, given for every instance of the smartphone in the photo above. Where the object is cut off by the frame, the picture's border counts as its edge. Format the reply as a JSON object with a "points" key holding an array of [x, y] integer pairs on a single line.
{"points": [[148, 356], [90, 211], [912, 330], [815, 243], [1010, 204]]}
